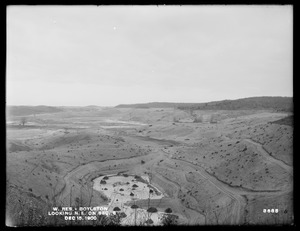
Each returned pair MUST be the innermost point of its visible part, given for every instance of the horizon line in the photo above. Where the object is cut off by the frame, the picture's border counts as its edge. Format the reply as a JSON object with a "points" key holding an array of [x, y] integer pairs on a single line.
{"points": [[93, 105]]}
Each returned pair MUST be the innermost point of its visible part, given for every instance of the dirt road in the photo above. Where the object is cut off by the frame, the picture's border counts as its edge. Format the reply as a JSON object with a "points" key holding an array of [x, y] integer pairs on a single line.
{"points": [[160, 154], [270, 158]]}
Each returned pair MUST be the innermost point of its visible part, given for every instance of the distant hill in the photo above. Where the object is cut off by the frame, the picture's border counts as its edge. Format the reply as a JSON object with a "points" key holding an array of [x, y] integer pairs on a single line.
{"points": [[252, 103], [154, 105], [30, 110]]}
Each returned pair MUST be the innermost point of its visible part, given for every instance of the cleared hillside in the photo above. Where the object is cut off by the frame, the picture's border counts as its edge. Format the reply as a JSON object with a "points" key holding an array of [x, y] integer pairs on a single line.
{"points": [[223, 172]]}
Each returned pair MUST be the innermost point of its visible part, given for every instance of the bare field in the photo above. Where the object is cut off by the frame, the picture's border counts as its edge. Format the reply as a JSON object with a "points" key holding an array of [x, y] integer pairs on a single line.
{"points": [[224, 172]]}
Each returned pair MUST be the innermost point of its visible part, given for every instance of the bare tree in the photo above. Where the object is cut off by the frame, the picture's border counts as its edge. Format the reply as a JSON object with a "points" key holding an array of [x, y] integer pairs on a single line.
{"points": [[23, 121], [198, 119], [213, 119], [66, 130], [191, 112]]}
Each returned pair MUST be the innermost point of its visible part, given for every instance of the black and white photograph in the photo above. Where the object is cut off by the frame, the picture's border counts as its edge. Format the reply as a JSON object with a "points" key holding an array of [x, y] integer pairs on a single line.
{"points": [[149, 115]]}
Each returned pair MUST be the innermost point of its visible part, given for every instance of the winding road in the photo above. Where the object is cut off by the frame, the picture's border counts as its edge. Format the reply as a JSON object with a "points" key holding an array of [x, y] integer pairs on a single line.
{"points": [[236, 194]]}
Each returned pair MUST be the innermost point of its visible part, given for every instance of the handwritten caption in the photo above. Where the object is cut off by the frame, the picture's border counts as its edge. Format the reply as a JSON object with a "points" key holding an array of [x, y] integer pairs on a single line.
{"points": [[80, 213]]}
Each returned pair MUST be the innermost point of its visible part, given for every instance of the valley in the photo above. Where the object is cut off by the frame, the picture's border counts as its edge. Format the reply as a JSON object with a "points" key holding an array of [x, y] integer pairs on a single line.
{"points": [[223, 172]]}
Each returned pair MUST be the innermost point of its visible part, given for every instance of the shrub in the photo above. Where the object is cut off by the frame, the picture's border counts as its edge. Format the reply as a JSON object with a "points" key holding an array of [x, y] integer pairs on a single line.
{"points": [[169, 219]]}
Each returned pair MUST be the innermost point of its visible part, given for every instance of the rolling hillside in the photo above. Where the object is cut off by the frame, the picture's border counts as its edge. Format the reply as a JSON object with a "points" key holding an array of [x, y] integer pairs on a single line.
{"points": [[256, 103], [30, 110], [154, 105]]}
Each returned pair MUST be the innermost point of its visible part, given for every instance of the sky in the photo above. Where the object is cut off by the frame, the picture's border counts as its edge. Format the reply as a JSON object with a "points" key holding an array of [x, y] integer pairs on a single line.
{"points": [[110, 55]]}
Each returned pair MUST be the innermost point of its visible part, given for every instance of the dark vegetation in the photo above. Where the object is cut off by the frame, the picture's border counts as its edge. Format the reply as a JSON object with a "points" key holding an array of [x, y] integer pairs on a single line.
{"points": [[154, 105], [255, 103]]}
